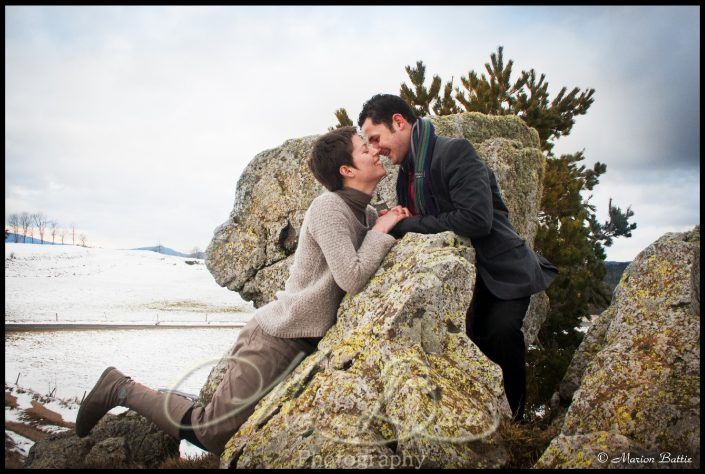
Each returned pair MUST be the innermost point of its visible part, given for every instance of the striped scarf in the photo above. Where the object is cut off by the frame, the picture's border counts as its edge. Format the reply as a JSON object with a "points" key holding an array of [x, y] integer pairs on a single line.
{"points": [[414, 187]]}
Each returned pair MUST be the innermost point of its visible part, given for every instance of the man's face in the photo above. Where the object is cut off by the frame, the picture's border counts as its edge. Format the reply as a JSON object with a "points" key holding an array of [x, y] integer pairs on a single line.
{"points": [[394, 143]]}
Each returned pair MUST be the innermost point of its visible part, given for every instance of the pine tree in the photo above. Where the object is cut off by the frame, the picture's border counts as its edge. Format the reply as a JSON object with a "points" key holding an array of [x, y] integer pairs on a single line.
{"points": [[420, 98], [493, 96], [446, 105], [577, 250], [423, 100], [617, 226], [526, 98], [343, 119]]}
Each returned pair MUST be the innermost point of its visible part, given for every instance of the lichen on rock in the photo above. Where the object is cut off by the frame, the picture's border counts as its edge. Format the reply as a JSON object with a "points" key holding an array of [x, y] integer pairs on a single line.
{"points": [[639, 375]]}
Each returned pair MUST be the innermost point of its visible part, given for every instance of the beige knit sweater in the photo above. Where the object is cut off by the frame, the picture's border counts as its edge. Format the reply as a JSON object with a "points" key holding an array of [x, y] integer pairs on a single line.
{"points": [[336, 254]]}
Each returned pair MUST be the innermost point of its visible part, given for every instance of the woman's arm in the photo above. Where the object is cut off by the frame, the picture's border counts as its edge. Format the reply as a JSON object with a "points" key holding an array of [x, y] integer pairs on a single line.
{"points": [[351, 268]]}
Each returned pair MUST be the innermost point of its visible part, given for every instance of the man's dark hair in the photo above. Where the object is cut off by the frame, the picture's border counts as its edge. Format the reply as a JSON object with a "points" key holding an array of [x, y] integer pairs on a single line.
{"points": [[329, 153], [381, 107]]}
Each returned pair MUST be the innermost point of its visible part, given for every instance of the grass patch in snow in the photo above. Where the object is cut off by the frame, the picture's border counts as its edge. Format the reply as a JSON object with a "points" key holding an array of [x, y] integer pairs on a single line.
{"points": [[193, 306]]}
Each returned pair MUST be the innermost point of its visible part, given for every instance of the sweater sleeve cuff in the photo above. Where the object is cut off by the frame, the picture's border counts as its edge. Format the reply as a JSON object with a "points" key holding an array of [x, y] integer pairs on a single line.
{"points": [[384, 239]]}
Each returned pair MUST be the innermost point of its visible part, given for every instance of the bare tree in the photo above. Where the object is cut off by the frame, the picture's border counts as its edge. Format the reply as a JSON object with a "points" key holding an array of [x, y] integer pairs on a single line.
{"points": [[32, 219], [53, 225], [14, 221], [25, 223], [82, 239], [73, 234], [195, 252], [159, 247], [40, 220], [62, 234]]}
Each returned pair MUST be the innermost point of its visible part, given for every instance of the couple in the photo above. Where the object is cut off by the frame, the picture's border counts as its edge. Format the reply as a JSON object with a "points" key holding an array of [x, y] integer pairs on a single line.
{"points": [[442, 185]]}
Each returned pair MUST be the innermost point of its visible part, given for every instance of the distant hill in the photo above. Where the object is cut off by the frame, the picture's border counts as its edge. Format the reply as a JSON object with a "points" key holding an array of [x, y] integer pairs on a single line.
{"points": [[10, 238], [164, 250], [613, 273]]}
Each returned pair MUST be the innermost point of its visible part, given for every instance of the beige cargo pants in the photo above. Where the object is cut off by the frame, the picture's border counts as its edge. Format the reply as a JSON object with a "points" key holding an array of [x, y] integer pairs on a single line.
{"points": [[257, 360]]}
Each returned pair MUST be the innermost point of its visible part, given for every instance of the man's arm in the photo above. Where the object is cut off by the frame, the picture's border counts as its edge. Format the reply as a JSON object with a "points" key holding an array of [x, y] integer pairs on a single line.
{"points": [[468, 181]]}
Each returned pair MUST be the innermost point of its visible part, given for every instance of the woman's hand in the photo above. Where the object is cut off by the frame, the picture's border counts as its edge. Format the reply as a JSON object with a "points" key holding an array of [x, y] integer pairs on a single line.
{"points": [[389, 218], [398, 209]]}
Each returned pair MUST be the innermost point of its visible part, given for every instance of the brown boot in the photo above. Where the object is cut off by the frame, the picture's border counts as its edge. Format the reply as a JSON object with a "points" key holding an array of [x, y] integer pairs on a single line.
{"points": [[116, 389], [105, 396]]}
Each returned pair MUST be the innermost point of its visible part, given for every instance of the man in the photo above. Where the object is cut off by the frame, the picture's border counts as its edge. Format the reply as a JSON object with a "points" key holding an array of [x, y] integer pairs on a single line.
{"points": [[446, 186]]}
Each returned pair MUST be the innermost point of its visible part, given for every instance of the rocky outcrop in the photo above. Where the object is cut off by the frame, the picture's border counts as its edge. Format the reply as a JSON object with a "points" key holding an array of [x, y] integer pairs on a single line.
{"points": [[536, 314], [252, 251], [591, 345], [398, 355], [395, 380], [635, 379], [124, 441]]}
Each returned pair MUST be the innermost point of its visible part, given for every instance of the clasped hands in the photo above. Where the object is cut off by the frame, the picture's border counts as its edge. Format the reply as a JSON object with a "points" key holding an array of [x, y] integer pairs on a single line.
{"points": [[388, 218]]}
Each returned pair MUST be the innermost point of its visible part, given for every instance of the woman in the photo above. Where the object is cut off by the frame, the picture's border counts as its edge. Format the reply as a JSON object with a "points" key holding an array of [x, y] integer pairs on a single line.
{"points": [[341, 244]]}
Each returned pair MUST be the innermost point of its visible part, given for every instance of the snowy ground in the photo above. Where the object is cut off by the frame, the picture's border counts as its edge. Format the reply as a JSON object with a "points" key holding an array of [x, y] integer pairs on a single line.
{"points": [[67, 284], [74, 285]]}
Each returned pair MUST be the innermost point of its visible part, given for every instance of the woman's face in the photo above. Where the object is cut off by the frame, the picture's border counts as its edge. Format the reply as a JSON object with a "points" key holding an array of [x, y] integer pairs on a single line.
{"points": [[368, 167]]}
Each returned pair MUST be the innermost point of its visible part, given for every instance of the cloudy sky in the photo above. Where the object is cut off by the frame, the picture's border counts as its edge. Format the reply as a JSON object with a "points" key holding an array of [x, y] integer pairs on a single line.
{"points": [[134, 123]]}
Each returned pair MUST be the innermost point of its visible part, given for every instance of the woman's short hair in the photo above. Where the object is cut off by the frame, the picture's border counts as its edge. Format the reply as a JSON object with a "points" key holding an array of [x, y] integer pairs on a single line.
{"points": [[329, 153]]}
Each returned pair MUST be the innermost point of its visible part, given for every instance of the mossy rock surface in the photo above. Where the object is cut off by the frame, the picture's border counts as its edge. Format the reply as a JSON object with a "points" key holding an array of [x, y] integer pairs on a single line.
{"points": [[638, 375]]}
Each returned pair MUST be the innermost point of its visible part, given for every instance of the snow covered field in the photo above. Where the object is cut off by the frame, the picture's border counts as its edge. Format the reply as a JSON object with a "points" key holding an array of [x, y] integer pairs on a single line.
{"points": [[73, 285], [67, 284]]}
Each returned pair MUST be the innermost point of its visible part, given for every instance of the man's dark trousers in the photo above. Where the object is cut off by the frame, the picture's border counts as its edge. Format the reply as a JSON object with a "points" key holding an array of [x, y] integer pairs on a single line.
{"points": [[494, 325]]}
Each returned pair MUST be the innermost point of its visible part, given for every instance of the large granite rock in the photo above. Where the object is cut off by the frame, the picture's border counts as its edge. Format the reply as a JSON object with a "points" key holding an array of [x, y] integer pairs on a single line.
{"points": [[394, 381], [125, 441], [635, 379], [252, 251]]}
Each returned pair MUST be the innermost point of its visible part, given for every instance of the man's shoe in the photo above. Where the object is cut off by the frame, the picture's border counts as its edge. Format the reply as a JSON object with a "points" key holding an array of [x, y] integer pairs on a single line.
{"points": [[110, 391]]}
